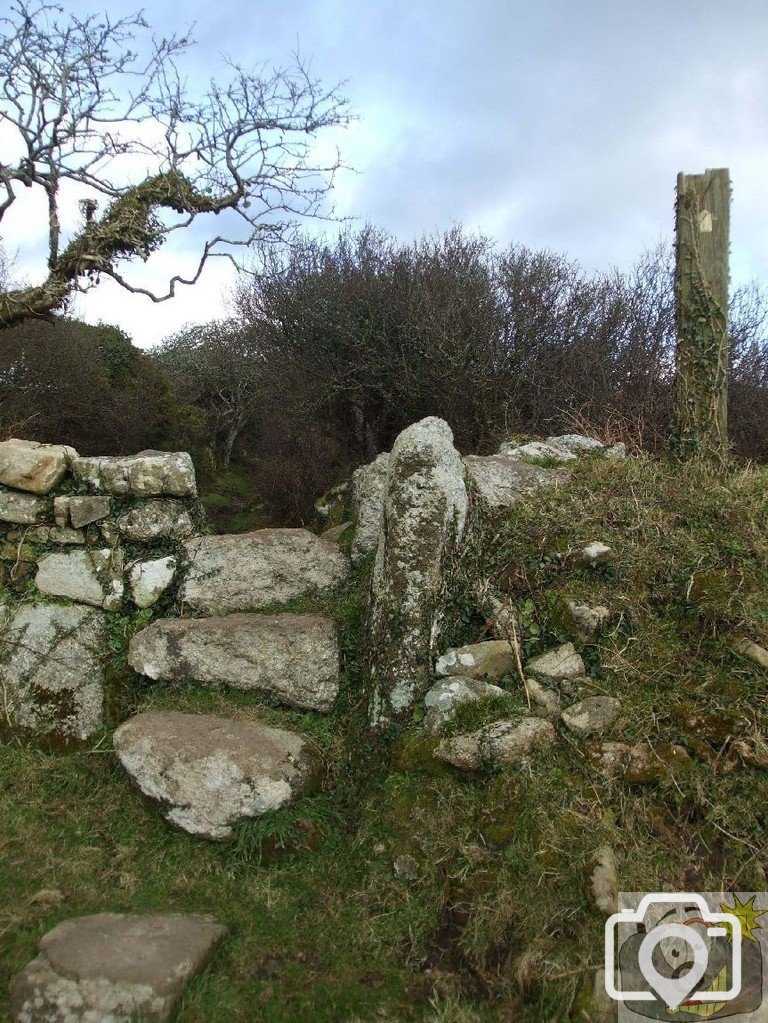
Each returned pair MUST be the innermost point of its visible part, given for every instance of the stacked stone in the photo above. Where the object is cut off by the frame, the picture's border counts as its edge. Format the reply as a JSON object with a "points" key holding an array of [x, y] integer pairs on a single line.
{"points": [[99, 533], [113, 535]]}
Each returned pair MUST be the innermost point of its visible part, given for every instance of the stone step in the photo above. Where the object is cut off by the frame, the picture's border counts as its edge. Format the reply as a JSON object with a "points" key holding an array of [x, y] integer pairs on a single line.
{"points": [[113, 967], [209, 772], [292, 657], [248, 571]]}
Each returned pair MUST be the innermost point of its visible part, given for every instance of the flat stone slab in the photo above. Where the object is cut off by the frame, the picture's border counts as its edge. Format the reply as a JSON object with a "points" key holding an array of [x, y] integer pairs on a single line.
{"points": [[248, 571], [51, 670], [210, 772], [147, 474], [92, 576], [503, 480], [21, 509], [36, 468], [113, 968], [292, 657]]}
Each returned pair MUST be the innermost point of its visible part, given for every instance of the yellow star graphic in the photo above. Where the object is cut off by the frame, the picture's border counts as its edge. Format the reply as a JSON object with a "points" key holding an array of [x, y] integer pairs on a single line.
{"points": [[746, 913]]}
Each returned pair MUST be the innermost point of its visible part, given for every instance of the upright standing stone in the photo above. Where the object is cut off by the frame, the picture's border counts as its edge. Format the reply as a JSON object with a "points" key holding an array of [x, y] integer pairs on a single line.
{"points": [[51, 670], [425, 509]]}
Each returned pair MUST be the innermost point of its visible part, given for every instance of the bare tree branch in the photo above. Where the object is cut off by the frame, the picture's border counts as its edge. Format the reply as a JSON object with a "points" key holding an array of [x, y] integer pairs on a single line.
{"points": [[90, 99]]}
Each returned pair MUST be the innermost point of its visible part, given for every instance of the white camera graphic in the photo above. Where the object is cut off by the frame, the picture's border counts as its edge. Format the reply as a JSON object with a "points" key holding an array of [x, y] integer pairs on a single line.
{"points": [[687, 940]]}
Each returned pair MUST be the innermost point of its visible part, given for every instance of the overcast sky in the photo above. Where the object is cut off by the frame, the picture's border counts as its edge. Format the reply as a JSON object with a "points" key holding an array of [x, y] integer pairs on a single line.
{"points": [[556, 123]]}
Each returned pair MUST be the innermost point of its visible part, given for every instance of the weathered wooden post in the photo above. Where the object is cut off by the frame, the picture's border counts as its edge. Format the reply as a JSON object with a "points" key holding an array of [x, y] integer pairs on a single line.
{"points": [[701, 370]]}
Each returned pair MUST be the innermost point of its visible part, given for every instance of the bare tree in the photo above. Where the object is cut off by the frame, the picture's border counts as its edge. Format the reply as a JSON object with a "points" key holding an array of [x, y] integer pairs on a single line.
{"points": [[93, 101]]}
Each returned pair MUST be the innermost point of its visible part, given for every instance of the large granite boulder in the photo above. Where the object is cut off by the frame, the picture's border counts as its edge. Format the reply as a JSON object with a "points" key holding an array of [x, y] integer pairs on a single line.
{"points": [[156, 520], [36, 468], [91, 576], [502, 480], [113, 968], [369, 486], [210, 772], [148, 474], [248, 571], [51, 670], [293, 657], [21, 509], [424, 515]]}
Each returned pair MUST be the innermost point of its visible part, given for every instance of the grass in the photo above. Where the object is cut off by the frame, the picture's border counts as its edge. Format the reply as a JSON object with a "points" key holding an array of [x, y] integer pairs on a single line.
{"points": [[498, 925]]}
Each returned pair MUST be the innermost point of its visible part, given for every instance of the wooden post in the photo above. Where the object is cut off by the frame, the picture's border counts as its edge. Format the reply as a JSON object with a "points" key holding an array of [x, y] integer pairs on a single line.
{"points": [[701, 369]]}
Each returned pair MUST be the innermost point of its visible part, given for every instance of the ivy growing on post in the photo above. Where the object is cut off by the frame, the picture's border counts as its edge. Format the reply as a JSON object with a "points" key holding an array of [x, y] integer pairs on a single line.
{"points": [[702, 364]]}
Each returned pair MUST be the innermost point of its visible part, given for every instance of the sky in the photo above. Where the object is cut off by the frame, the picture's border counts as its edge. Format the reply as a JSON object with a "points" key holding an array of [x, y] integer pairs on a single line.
{"points": [[557, 124]]}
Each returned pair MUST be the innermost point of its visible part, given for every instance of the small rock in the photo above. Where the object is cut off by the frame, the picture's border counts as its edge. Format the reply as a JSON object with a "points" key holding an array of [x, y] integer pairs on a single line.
{"points": [[753, 754], [594, 714], [445, 697], [88, 576], [617, 451], [595, 554], [604, 881], [210, 772], [492, 659], [150, 579], [36, 468], [80, 511], [51, 534], [641, 764], [557, 665], [577, 444], [148, 474], [406, 868], [502, 744], [539, 450], [547, 699], [588, 620], [757, 654], [20, 509], [113, 968]]}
